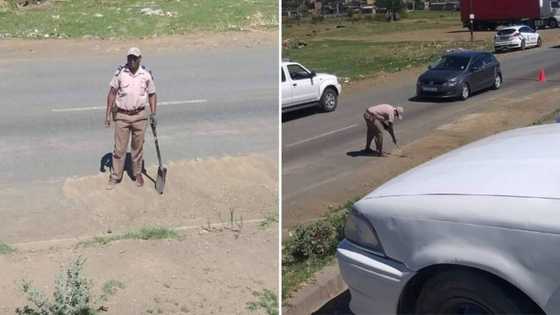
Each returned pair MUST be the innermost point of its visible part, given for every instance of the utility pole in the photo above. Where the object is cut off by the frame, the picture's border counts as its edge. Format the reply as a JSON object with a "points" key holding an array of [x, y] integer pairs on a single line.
{"points": [[471, 21]]}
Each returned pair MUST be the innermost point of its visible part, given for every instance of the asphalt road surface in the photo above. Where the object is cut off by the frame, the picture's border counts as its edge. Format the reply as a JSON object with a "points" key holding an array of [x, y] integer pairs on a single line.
{"points": [[321, 150], [211, 103]]}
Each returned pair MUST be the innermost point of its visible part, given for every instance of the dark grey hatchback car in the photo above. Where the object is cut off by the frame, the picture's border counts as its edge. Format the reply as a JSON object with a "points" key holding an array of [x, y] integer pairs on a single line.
{"points": [[459, 74]]}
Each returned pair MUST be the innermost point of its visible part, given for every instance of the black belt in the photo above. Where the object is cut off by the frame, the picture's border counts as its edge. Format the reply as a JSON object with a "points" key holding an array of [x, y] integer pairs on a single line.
{"points": [[130, 112]]}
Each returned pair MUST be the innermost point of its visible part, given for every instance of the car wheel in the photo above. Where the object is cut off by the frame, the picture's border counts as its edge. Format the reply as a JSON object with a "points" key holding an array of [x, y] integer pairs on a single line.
{"points": [[329, 100], [523, 45], [469, 292], [465, 92], [553, 23], [539, 42], [497, 82]]}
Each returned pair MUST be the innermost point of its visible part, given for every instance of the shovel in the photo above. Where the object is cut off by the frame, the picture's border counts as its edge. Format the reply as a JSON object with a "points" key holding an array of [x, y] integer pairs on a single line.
{"points": [[162, 171], [398, 152]]}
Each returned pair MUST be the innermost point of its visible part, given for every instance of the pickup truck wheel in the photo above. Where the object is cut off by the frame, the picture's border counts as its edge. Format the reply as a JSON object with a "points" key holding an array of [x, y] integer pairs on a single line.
{"points": [[553, 23], [329, 100], [469, 292]]}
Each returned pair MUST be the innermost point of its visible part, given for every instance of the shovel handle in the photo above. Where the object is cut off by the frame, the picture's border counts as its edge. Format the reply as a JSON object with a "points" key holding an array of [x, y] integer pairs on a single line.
{"points": [[157, 145]]}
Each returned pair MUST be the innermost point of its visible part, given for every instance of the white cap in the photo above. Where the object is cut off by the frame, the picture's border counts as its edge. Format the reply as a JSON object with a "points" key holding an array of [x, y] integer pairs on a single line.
{"points": [[134, 51]]}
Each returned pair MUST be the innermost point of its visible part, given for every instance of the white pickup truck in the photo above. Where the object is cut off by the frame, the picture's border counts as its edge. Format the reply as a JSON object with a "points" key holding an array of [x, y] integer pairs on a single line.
{"points": [[303, 88]]}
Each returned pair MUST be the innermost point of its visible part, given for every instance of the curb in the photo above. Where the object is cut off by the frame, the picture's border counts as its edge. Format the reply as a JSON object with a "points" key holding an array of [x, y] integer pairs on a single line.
{"points": [[328, 284]]}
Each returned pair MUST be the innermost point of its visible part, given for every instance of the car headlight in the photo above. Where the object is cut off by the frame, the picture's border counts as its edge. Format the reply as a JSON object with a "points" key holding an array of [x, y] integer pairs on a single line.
{"points": [[358, 230], [451, 82]]}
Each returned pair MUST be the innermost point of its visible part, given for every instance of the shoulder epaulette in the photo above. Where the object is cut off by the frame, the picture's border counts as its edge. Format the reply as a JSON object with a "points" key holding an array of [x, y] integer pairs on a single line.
{"points": [[149, 71], [119, 69]]}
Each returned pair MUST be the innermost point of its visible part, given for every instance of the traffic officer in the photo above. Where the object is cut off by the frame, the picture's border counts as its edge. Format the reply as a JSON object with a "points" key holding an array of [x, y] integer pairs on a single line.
{"points": [[131, 90], [378, 118]]}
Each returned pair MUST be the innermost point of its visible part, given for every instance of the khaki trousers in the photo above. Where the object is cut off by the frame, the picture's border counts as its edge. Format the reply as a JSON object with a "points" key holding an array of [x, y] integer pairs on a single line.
{"points": [[374, 131], [129, 127]]}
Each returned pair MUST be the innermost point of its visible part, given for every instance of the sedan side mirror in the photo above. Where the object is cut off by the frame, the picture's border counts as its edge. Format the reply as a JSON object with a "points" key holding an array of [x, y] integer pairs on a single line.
{"points": [[313, 74]]}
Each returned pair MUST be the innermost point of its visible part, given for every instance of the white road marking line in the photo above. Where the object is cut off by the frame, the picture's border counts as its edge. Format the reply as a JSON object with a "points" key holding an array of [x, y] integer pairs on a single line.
{"points": [[76, 109], [320, 136], [90, 108]]}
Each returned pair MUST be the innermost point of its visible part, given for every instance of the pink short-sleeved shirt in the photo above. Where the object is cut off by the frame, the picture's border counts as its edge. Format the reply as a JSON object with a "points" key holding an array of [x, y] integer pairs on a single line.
{"points": [[132, 89], [383, 112]]}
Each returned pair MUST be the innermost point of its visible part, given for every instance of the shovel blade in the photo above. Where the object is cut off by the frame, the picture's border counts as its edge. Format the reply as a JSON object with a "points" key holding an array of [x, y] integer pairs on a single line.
{"points": [[160, 181]]}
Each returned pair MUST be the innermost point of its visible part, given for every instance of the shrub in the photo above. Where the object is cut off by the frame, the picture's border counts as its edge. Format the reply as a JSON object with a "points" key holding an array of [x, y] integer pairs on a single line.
{"points": [[5, 248], [317, 239], [267, 300], [71, 295]]}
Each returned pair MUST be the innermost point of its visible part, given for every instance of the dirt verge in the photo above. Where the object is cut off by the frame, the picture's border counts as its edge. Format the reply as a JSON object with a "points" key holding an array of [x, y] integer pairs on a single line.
{"points": [[214, 272], [198, 192], [225, 210], [53, 48]]}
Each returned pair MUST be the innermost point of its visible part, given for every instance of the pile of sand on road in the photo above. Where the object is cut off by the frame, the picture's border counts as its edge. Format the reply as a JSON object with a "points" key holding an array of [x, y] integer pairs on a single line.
{"points": [[197, 192]]}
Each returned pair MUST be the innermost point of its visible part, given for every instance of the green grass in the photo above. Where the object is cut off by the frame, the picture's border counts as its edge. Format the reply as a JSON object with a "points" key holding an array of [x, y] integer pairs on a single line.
{"points": [[547, 119], [110, 288], [6, 249], [266, 300], [358, 59], [145, 233], [293, 276], [364, 26], [269, 220], [123, 19], [355, 50], [311, 247]]}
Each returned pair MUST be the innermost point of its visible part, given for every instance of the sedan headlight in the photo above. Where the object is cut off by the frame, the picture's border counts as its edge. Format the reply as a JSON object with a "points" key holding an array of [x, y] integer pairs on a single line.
{"points": [[451, 82], [358, 230]]}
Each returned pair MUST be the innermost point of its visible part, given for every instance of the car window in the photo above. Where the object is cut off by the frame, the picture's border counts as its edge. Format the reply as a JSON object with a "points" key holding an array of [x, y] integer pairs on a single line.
{"points": [[297, 72], [508, 31], [526, 30], [283, 76], [477, 63], [454, 63], [555, 4], [487, 59]]}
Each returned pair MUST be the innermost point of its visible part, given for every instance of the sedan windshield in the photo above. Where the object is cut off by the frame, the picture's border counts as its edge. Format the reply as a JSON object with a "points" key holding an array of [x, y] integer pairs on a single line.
{"points": [[453, 63]]}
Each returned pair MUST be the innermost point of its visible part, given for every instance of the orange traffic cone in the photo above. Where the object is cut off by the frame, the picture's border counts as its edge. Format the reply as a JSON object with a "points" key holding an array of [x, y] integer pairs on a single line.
{"points": [[542, 76]]}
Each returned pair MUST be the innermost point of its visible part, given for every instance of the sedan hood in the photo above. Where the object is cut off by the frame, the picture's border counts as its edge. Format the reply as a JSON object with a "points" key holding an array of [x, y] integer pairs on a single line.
{"points": [[519, 163], [439, 75]]}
